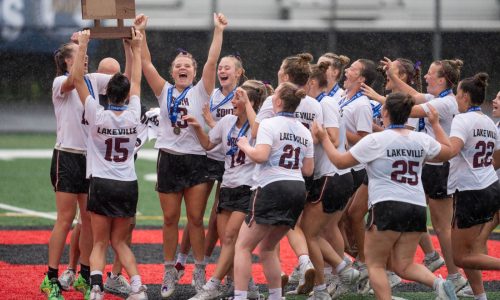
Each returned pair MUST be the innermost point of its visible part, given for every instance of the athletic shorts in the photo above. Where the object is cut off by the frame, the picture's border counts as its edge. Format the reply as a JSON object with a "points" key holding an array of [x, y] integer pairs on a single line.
{"points": [[113, 198], [357, 177], [435, 180], [476, 207], [215, 169], [278, 203], [332, 191], [397, 216], [234, 199], [365, 180], [68, 172], [309, 181], [177, 172]]}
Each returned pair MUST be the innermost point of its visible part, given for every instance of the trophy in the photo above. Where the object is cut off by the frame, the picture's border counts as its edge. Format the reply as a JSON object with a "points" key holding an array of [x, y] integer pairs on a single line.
{"points": [[98, 10]]}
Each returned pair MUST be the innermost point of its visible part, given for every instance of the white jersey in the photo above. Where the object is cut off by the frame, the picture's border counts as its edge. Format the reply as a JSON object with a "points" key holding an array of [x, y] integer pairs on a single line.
{"points": [[186, 142], [308, 110], [394, 165], [218, 111], [290, 143], [238, 169], [446, 107], [357, 116], [72, 127], [112, 140], [472, 168], [148, 128], [331, 119]]}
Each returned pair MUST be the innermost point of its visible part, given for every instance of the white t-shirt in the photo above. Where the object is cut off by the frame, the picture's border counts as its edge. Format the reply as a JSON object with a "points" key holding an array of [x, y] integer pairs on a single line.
{"points": [[217, 113], [238, 169], [290, 142], [472, 168], [394, 165], [446, 107], [331, 119], [72, 129], [186, 142], [112, 140], [148, 128]]}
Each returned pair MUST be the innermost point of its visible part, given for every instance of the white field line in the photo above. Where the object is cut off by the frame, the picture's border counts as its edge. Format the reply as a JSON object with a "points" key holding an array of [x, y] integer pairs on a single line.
{"points": [[10, 154], [29, 212]]}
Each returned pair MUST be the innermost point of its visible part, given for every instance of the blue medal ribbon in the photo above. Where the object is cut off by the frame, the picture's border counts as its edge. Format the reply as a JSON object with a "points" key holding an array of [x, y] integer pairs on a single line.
{"points": [[286, 114], [395, 126], [241, 133], [376, 109], [445, 93], [172, 115], [117, 108], [334, 90], [474, 108], [344, 103], [228, 98], [421, 121], [88, 83], [320, 96]]}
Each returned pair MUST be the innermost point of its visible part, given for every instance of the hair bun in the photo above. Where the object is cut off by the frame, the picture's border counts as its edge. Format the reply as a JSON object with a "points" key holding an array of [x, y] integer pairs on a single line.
{"points": [[301, 93], [306, 56], [456, 63], [344, 60], [323, 66], [482, 78]]}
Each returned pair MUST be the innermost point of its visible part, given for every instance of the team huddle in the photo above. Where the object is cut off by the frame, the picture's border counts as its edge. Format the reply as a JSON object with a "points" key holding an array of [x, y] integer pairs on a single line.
{"points": [[346, 174]]}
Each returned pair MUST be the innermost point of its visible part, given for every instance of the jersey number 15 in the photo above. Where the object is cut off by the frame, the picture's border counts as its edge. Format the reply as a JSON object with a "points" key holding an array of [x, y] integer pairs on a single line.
{"points": [[117, 148]]}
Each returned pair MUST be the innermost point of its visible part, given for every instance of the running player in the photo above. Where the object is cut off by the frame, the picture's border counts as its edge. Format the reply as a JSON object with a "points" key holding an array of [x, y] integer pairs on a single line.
{"points": [[284, 152], [397, 205], [182, 163], [473, 181]]}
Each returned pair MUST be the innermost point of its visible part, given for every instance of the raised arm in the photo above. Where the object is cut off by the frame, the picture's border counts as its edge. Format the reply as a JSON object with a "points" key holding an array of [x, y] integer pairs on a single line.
{"points": [[128, 57], [242, 94], [78, 68], [259, 154], [210, 68], [155, 81], [136, 74], [446, 146], [370, 93], [392, 73], [200, 133]]}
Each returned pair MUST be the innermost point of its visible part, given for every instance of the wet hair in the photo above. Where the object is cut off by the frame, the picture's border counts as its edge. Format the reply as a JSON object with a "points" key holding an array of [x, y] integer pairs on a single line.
{"points": [[256, 91], [369, 71], [238, 63], [291, 95], [450, 70], [412, 71], [399, 106], [184, 53], [318, 73], [60, 55], [475, 86], [297, 68], [338, 62], [118, 89]]}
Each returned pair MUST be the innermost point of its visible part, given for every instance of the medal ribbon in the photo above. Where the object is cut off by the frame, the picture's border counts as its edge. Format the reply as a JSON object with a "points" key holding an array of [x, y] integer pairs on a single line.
{"points": [[175, 110], [241, 133]]}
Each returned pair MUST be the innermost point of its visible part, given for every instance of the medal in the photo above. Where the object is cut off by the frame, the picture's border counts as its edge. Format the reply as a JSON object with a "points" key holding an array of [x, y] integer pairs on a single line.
{"points": [[177, 130]]}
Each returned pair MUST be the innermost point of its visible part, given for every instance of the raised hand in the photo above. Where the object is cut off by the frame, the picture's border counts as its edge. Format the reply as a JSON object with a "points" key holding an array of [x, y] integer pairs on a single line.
{"points": [[140, 22], [369, 92], [136, 40], [220, 21], [241, 94], [432, 114], [242, 142], [207, 115], [83, 37], [191, 120]]}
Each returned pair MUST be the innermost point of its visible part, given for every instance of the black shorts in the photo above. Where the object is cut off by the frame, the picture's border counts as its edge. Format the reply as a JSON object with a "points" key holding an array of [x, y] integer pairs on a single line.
{"points": [[435, 180], [397, 216], [234, 199], [357, 177], [67, 172], [113, 198], [332, 191], [365, 181], [476, 207], [215, 169], [177, 172], [278, 203], [309, 182]]}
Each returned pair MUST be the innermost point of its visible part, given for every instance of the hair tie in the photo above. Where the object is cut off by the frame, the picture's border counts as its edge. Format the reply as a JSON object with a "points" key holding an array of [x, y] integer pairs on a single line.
{"points": [[266, 82], [57, 51], [181, 51], [237, 55], [417, 65]]}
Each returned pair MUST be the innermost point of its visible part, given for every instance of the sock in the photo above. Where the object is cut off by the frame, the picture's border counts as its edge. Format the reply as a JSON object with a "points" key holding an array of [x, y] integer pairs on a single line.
{"points": [[274, 294], [320, 287], [480, 297], [135, 283], [241, 295], [170, 263], [328, 270], [251, 283], [52, 273], [199, 264], [85, 271], [96, 279], [431, 255], [453, 276], [206, 259], [182, 258], [113, 275], [212, 283], [303, 259], [340, 267], [437, 281]]}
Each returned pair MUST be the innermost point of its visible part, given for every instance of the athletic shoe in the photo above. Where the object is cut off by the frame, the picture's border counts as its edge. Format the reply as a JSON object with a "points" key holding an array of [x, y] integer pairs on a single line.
{"points": [[51, 288], [332, 287], [362, 268], [139, 295], [433, 263], [169, 281], [328, 277], [206, 294], [445, 290], [96, 293], [227, 290], [294, 278], [180, 270], [306, 282], [199, 278], [67, 279], [393, 278], [349, 276], [117, 286], [364, 287], [83, 287], [460, 282], [466, 292], [254, 292], [320, 295], [340, 291]]}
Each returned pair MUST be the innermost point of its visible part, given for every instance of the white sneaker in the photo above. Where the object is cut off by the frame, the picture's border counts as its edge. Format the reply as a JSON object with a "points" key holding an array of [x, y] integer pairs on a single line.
{"points": [[460, 282], [139, 295], [334, 284], [306, 282], [96, 293], [341, 290], [364, 287], [433, 263], [320, 295], [169, 281], [253, 291], [295, 276], [349, 276], [466, 292], [227, 290], [199, 279], [363, 270], [67, 279], [445, 290], [117, 286], [206, 294], [393, 278]]}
